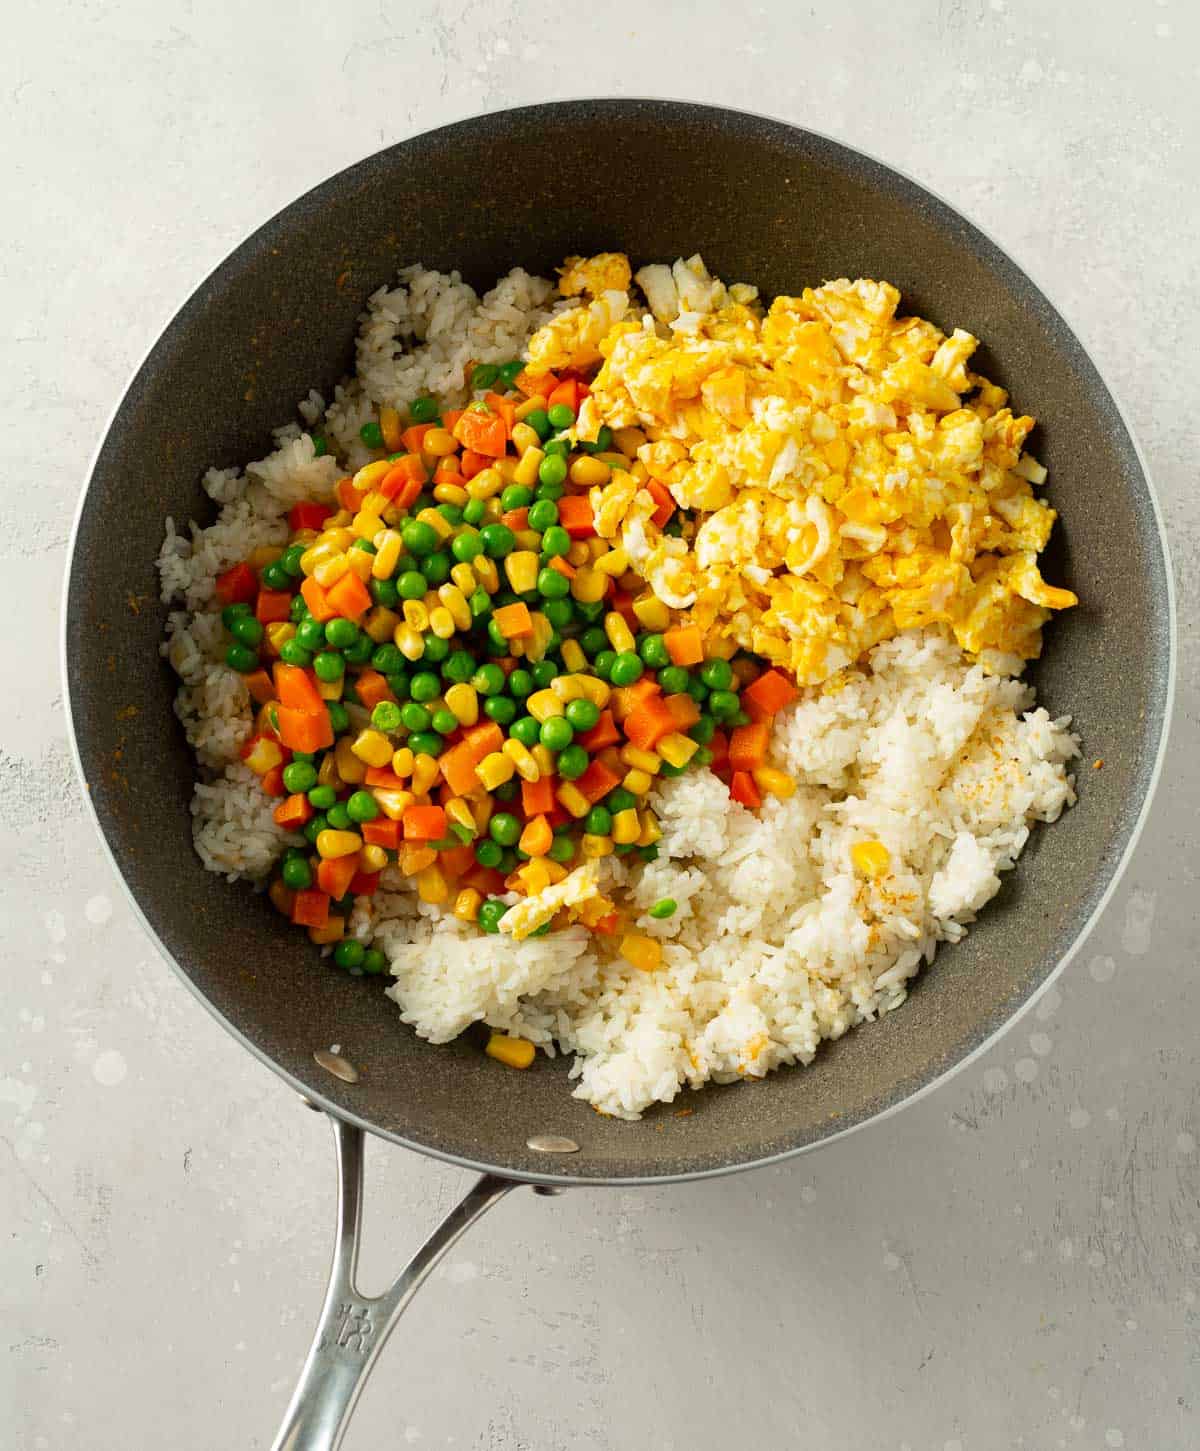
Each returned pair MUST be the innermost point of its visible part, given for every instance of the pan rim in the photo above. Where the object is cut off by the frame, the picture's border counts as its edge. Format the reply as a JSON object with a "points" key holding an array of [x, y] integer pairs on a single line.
{"points": [[314, 1097]]}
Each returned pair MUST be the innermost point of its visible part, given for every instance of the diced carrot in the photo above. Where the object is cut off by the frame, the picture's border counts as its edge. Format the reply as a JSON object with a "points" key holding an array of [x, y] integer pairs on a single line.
{"points": [[482, 432], [398, 483], [308, 514], [473, 463], [567, 392], [537, 797], [645, 726], [272, 782], [386, 777], [260, 686], [349, 597], [310, 908], [504, 407], [627, 698], [424, 823], [458, 767], [335, 874], [372, 688], [294, 812], [608, 926], [381, 832], [348, 495], [484, 738], [414, 436], [685, 645], [455, 860], [317, 601], [447, 471], [484, 879], [560, 566], [364, 884], [536, 385], [622, 602], [512, 621], [237, 586], [560, 816], [450, 417], [770, 692], [743, 789], [662, 498], [297, 687], [273, 605], [537, 837], [575, 516], [304, 730], [597, 781], [683, 710], [719, 746], [516, 519], [603, 733], [748, 745]]}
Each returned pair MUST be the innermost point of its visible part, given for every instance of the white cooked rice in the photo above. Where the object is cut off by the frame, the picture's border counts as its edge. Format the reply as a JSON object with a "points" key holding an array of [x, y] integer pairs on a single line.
{"points": [[777, 942]]}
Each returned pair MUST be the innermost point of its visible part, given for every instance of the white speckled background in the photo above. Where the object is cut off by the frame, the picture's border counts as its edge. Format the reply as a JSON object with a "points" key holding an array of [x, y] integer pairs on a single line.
{"points": [[1012, 1263]]}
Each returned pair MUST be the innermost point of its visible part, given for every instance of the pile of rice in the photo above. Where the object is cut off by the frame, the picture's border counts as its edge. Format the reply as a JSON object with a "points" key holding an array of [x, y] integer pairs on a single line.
{"points": [[777, 942]]}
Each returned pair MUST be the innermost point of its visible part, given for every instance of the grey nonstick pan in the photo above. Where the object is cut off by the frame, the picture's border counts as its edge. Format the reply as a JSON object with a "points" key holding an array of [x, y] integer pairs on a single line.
{"points": [[762, 201]]}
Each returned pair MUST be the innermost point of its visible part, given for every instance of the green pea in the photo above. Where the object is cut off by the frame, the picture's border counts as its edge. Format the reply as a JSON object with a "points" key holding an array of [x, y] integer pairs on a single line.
{"points": [[618, 799], [274, 576], [488, 853], [627, 669], [474, 511], [234, 612], [572, 762], [320, 445], [387, 659], [385, 593], [297, 610], [555, 541], [299, 776], [424, 686], [498, 540], [723, 704], [412, 585], [467, 546], [490, 913], [436, 568], [425, 743], [436, 649], [374, 961], [561, 415], [648, 853], [484, 376], [414, 717], [423, 410], [674, 680], [520, 683], [459, 667], [419, 538], [341, 633], [603, 663], [582, 715], [500, 709], [590, 611], [526, 730], [703, 757], [552, 469], [539, 421], [386, 716], [543, 673], [444, 721], [697, 689], [349, 953], [510, 372], [241, 658], [314, 827], [603, 441], [593, 640], [405, 563], [296, 873], [290, 560], [739, 718], [292, 652], [665, 907], [556, 733], [246, 630], [371, 434], [488, 679], [543, 515], [558, 447], [598, 821], [321, 798], [338, 816], [360, 652], [717, 674], [508, 857], [339, 716], [504, 828], [704, 729], [552, 585], [562, 849], [399, 684], [480, 602], [516, 496], [362, 806], [497, 635], [364, 546]]}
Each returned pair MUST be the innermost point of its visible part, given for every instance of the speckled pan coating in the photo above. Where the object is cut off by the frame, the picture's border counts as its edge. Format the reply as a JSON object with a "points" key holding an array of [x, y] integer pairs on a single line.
{"points": [[765, 203]]}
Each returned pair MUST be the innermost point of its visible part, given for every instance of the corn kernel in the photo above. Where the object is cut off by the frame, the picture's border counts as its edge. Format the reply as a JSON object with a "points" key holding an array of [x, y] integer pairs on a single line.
{"points": [[403, 761], [568, 687], [650, 832], [460, 811], [651, 611], [374, 503], [720, 648], [331, 932], [521, 567], [431, 884], [281, 897], [414, 858], [495, 769], [485, 483], [372, 858], [773, 782], [371, 474], [506, 467], [359, 563], [597, 546], [313, 555], [544, 757], [579, 553], [512, 1052], [528, 538], [539, 640], [380, 623], [425, 772], [392, 803], [373, 747], [620, 636], [484, 806], [367, 525], [531, 457], [557, 871], [519, 755], [439, 442], [341, 520], [416, 614], [440, 525], [388, 549], [626, 827], [638, 471], [644, 953], [573, 656], [641, 760], [589, 472], [870, 858], [543, 704], [390, 427], [330, 570], [570, 796], [447, 493], [462, 701], [594, 846], [351, 769], [530, 405], [331, 689], [614, 563], [467, 904], [262, 556], [486, 573], [441, 622], [677, 749], [589, 587], [534, 876], [596, 690], [279, 632], [629, 440], [332, 844], [639, 782]]}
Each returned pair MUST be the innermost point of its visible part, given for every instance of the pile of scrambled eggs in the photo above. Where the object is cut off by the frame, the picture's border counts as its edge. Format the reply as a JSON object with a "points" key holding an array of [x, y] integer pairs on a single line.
{"points": [[846, 475]]}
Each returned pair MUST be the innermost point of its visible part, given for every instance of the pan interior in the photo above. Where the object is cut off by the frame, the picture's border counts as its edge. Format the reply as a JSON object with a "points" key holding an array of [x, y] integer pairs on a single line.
{"points": [[763, 203]]}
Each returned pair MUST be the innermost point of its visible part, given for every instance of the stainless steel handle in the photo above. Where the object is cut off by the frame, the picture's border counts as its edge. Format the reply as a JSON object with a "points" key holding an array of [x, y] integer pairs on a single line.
{"points": [[352, 1328]]}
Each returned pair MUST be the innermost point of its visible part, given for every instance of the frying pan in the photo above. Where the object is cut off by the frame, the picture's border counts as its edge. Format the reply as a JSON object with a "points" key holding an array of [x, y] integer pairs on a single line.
{"points": [[763, 202]]}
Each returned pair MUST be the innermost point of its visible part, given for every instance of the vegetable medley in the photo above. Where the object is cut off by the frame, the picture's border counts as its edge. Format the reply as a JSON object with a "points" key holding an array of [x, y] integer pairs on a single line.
{"points": [[457, 674]]}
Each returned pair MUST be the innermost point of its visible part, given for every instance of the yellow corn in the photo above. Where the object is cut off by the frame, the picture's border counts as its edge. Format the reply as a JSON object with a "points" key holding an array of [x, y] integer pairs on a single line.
{"points": [[314, 554], [556, 869], [638, 471], [651, 611], [393, 804], [351, 769], [570, 796], [391, 428], [372, 858], [264, 756], [281, 897], [374, 503], [460, 811], [506, 467], [597, 546], [486, 573], [484, 806], [573, 656], [539, 641], [467, 904], [526, 471], [589, 472], [495, 769], [512, 1052], [530, 405], [639, 782], [450, 494], [331, 932], [528, 538], [414, 858], [521, 566], [373, 747], [543, 704], [527, 766], [366, 525], [441, 622], [589, 587], [464, 577], [437, 522], [380, 623], [544, 757], [591, 911], [439, 442], [568, 687], [644, 953], [524, 437], [403, 761], [596, 690], [677, 749], [279, 632], [462, 701], [332, 844], [596, 846], [641, 760], [416, 614], [330, 570], [649, 833], [629, 440], [485, 483], [431, 883], [371, 474], [305, 537], [626, 827], [534, 876], [340, 521], [870, 858], [614, 563], [579, 553], [773, 782], [620, 636], [359, 563], [425, 772], [724, 648], [331, 689], [262, 556], [327, 771], [388, 549]]}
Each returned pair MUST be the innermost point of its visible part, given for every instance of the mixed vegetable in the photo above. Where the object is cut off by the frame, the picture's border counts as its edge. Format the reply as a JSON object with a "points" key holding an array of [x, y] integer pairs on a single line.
{"points": [[455, 674]]}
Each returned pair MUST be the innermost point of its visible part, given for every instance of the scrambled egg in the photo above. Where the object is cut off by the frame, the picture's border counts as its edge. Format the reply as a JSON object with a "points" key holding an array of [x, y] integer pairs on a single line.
{"points": [[846, 475], [579, 886]]}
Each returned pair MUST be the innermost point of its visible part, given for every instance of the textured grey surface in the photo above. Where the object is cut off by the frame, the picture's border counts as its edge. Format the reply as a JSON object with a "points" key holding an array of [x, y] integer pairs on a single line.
{"points": [[1014, 1261]]}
